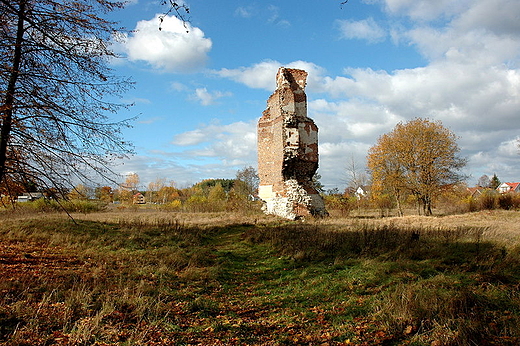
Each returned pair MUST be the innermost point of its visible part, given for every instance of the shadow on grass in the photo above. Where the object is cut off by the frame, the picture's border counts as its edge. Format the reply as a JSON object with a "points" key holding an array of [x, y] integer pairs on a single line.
{"points": [[136, 282]]}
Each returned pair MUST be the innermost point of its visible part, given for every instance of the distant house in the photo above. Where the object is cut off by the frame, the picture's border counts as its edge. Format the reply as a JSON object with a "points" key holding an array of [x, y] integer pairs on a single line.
{"points": [[508, 187], [476, 191], [139, 198], [362, 191], [29, 196]]}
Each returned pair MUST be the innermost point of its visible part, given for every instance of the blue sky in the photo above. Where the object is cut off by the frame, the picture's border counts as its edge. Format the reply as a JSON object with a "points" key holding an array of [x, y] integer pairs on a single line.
{"points": [[371, 64]]}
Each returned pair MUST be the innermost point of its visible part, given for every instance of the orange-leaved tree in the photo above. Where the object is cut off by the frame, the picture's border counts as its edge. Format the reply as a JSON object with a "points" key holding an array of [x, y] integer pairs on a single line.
{"points": [[419, 157]]}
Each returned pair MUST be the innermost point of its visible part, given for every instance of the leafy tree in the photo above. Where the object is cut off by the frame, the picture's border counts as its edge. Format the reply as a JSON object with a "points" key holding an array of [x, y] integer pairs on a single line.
{"points": [[104, 193], [131, 182], [167, 194], [495, 182], [420, 157], [217, 197], [207, 184], [56, 91], [80, 191]]}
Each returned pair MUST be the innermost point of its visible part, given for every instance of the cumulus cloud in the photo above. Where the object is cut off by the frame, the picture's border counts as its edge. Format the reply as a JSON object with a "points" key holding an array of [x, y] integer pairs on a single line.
{"points": [[258, 76], [177, 47], [426, 10], [262, 75], [177, 86], [471, 82], [236, 140], [230, 146], [500, 17], [366, 29], [207, 98]]}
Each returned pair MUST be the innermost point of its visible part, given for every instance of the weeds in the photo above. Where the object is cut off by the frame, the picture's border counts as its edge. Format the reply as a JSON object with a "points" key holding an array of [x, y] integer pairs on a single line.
{"points": [[143, 279], [48, 206]]}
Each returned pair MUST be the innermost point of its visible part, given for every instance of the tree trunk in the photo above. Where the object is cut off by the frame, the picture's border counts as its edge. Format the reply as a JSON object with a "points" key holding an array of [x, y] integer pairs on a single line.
{"points": [[428, 206], [398, 202], [7, 107]]}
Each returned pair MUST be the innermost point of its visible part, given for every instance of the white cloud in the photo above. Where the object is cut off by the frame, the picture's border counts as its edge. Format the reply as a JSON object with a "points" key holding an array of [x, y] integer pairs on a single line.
{"points": [[136, 100], [177, 47], [366, 29], [207, 98], [471, 83], [426, 10], [156, 165], [501, 17], [510, 148], [244, 12], [229, 147], [262, 75], [275, 17], [187, 138], [178, 86], [236, 139]]}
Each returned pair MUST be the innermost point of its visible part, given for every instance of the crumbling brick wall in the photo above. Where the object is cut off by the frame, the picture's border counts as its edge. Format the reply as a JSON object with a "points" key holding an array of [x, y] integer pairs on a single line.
{"points": [[288, 150]]}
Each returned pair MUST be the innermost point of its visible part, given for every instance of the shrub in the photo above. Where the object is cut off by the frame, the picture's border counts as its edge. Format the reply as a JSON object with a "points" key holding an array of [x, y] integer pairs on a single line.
{"points": [[174, 205], [487, 201], [43, 205], [515, 200], [339, 203], [196, 203], [384, 203], [471, 204], [505, 201], [84, 206]]}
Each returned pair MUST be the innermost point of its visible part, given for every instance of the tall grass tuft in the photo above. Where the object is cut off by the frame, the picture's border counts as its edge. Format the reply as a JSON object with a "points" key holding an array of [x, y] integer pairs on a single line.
{"points": [[312, 242], [43, 205]]}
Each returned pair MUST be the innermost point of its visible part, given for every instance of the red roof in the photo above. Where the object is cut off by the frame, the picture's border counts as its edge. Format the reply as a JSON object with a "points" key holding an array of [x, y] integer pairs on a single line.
{"points": [[514, 186]]}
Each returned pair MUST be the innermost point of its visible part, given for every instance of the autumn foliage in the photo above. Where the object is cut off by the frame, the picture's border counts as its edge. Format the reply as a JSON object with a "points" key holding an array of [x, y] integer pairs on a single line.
{"points": [[418, 158]]}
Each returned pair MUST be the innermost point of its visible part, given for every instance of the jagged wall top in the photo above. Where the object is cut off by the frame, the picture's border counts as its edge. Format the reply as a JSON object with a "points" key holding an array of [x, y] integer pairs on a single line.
{"points": [[291, 77]]}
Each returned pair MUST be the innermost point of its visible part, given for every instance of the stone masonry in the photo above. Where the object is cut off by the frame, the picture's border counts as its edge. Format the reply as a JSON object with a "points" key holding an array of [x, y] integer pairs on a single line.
{"points": [[288, 150]]}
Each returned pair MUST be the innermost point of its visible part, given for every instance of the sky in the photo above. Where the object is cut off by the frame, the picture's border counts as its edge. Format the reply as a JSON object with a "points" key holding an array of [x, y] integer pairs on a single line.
{"points": [[201, 86]]}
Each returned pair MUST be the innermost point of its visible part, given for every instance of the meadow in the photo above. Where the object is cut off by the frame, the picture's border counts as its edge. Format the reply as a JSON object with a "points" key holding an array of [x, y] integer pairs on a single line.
{"points": [[147, 277]]}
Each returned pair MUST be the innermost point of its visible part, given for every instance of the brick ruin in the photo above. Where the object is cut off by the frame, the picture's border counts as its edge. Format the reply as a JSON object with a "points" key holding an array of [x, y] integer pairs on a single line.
{"points": [[288, 151]]}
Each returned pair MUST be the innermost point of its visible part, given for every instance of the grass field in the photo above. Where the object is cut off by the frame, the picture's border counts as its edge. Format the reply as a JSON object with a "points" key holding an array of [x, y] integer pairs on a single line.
{"points": [[137, 277]]}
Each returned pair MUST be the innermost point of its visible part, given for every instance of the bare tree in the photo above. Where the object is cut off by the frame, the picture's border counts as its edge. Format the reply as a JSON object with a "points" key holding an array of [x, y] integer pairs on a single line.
{"points": [[250, 179], [484, 181], [356, 174], [57, 91], [179, 10]]}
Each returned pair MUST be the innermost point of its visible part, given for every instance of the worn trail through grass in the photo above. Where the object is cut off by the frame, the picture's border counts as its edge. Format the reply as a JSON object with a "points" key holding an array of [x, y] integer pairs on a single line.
{"points": [[137, 281]]}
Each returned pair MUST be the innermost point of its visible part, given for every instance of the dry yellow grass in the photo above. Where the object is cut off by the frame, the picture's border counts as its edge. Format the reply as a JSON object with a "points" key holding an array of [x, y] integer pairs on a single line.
{"points": [[140, 276], [501, 226], [189, 219]]}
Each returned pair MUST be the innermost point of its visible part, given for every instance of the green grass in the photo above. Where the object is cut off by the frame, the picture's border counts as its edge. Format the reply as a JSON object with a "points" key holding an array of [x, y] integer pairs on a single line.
{"points": [[160, 281]]}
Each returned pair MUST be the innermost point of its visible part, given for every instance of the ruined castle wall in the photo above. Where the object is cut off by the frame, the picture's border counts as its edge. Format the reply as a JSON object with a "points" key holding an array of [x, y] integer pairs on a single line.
{"points": [[288, 150]]}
